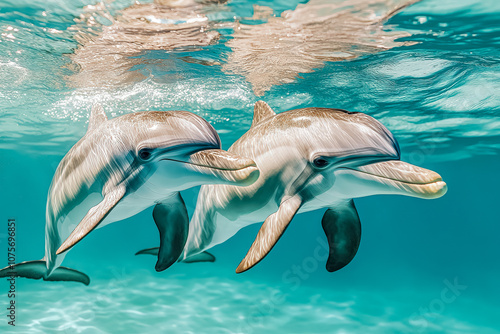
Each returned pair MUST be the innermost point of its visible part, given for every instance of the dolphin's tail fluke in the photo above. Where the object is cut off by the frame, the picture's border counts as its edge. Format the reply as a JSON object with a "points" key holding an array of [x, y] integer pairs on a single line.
{"points": [[149, 251], [38, 270], [200, 257]]}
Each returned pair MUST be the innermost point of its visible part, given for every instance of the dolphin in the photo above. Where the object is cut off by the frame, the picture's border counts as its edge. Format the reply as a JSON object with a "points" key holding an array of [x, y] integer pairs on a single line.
{"points": [[123, 166], [308, 159]]}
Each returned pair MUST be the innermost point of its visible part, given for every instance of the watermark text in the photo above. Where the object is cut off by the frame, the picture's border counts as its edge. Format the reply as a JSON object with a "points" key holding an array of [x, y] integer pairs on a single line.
{"points": [[11, 259]]}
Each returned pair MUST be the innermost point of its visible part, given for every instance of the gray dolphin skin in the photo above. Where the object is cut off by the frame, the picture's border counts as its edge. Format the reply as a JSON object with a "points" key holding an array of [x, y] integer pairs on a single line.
{"points": [[308, 159], [123, 166]]}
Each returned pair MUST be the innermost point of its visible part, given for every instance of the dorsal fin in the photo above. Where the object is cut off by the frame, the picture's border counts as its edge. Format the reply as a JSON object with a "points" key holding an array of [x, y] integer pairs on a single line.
{"points": [[261, 111], [97, 117]]}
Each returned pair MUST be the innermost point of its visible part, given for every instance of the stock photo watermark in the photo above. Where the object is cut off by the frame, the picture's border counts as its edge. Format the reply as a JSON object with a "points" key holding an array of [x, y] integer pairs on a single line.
{"points": [[293, 279], [11, 260], [426, 314]]}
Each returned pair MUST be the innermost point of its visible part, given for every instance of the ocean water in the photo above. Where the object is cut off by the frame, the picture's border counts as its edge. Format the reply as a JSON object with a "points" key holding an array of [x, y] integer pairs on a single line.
{"points": [[429, 71]]}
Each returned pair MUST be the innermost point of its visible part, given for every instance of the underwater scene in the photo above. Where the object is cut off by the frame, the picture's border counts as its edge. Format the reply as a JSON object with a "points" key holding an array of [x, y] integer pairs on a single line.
{"points": [[321, 166]]}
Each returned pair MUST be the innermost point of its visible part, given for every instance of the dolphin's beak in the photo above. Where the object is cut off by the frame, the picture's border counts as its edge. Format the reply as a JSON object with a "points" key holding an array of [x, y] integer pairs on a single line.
{"points": [[225, 167], [401, 178]]}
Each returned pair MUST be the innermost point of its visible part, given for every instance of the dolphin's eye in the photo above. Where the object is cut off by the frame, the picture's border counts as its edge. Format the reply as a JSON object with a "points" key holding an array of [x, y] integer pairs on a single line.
{"points": [[144, 154], [320, 162]]}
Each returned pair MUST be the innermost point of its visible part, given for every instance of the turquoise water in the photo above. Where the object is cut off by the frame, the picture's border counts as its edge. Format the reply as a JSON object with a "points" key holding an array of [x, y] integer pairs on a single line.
{"points": [[435, 87]]}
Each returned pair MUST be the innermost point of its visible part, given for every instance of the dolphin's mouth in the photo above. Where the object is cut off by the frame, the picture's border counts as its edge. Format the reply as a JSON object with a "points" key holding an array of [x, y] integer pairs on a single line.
{"points": [[225, 167], [403, 178]]}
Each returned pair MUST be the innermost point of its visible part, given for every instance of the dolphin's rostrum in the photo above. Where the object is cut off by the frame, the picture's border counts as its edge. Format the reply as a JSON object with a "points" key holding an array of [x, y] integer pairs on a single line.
{"points": [[123, 166]]}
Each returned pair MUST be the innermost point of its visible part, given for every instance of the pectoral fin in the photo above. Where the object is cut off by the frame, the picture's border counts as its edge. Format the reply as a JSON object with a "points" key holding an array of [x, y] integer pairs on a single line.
{"points": [[343, 231], [93, 218], [172, 220], [270, 232]]}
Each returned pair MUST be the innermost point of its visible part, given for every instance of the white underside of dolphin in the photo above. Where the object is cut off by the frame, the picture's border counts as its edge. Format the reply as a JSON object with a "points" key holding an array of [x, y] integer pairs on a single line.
{"points": [[122, 167]]}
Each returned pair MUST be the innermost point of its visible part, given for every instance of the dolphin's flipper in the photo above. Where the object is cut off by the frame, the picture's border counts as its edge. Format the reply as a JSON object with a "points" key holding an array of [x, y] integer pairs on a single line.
{"points": [[93, 218], [200, 257], [38, 270], [172, 220], [343, 231], [270, 232]]}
